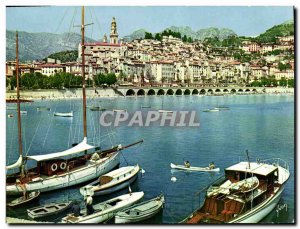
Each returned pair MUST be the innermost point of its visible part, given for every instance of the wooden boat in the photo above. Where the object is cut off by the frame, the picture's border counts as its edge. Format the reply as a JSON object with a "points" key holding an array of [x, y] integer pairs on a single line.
{"points": [[10, 115], [105, 210], [43, 109], [112, 181], [23, 112], [48, 209], [192, 168], [68, 114], [33, 196], [97, 109], [62, 169], [247, 194], [145, 106], [141, 211]]}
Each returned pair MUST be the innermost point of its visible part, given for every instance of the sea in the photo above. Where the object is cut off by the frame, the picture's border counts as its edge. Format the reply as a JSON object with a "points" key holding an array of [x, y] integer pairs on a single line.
{"points": [[262, 124]]}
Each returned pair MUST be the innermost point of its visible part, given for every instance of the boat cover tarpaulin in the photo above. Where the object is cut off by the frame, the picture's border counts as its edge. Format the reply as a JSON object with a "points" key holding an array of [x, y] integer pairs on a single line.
{"points": [[15, 165], [74, 150]]}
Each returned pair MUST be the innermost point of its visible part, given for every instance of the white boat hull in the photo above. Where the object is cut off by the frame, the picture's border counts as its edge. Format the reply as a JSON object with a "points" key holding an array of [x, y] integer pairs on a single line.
{"points": [[91, 171], [106, 214], [261, 211], [191, 168]]}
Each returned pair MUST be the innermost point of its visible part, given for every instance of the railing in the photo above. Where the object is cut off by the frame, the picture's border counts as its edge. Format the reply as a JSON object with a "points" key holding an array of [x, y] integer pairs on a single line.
{"points": [[277, 162]]}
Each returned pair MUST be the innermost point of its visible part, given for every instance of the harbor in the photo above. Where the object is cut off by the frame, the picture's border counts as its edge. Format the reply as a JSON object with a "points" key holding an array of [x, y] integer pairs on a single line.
{"points": [[210, 142]]}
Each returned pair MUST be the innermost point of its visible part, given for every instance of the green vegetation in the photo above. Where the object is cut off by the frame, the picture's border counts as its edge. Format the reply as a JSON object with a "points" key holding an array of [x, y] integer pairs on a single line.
{"points": [[271, 81], [58, 81], [284, 67], [270, 36], [108, 79], [65, 56], [168, 32]]}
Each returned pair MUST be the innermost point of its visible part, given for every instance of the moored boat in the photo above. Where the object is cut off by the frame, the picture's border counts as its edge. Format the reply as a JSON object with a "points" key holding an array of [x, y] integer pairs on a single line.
{"points": [[247, 194], [222, 108], [32, 196], [140, 211], [97, 109], [105, 210], [193, 168], [211, 110], [165, 111], [66, 114], [112, 181], [48, 209]]}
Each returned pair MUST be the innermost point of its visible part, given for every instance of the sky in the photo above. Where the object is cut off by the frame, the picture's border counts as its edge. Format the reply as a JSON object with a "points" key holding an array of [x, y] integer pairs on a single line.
{"points": [[245, 21]]}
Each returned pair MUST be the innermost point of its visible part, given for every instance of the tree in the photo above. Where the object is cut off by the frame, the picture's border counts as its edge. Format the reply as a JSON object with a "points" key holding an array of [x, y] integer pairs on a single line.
{"points": [[158, 37], [184, 39], [190, 40], [111, 78], [148, 35]]}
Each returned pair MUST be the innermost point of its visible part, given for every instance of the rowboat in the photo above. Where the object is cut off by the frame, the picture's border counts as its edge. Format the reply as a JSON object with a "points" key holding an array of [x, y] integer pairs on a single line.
{"points": [[247, 194], [211, 110], [145, 106], [112, 181], [10, 115], [33, 196], [119, 110], [222, 108], [141, 211], [48, 209], [165, 111], [69, 114], [105, 210], [191, 168], [43, 109], [97, 109], [23, 112]]}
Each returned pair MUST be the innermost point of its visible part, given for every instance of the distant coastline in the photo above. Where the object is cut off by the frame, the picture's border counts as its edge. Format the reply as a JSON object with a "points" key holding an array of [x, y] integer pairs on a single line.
{"points": [[54, 94]]}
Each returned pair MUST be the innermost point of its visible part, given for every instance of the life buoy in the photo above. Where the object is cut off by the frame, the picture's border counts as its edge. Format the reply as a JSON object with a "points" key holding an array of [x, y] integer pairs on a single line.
{"points": [[63, 165], [54, 167]]}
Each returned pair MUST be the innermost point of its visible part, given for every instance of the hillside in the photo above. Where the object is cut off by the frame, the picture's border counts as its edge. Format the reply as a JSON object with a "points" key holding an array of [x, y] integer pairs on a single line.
{"points": [[200, 34], [33, 46], [284, 29], [65, 56]]}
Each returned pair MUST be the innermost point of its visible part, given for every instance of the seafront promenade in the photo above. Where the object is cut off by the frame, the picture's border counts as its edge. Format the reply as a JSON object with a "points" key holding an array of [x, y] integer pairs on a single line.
{"points": [[145, 91]]}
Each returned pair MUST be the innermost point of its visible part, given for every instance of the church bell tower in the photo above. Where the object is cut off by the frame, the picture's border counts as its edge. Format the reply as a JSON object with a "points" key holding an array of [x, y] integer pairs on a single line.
{"points": [[113, 32]]}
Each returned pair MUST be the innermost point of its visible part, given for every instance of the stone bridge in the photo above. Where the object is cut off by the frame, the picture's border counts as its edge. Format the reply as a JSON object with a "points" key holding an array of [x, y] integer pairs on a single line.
{"points": [[148, 91]]}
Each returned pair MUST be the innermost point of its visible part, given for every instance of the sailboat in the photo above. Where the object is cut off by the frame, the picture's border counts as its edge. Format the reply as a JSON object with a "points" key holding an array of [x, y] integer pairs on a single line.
{"points": [[162, 108], [53, 171]]}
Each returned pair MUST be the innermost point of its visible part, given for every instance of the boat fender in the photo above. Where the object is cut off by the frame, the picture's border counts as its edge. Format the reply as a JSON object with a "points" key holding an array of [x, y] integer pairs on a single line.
{"points": [[54, 167], [63, 165]]}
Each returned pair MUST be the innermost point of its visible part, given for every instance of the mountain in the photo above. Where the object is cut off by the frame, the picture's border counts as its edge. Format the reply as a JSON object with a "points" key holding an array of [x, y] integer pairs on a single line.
{"points": [[138, 34], [284, 29], [65, 56], [201, 34], [37, 46]]}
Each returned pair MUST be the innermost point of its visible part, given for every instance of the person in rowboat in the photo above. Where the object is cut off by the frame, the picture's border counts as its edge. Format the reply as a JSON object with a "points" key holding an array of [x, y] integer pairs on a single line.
{"points": [[211, 165], [76, 209], [187, 164], [89, 206], [23, 187]]}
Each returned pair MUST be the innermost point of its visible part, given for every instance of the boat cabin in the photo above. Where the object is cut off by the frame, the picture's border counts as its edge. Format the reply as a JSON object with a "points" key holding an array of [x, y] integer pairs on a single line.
{"points": [[242, 189]]}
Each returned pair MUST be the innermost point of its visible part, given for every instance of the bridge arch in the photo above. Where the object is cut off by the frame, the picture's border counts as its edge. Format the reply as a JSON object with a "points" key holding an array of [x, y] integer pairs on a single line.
{"points": [[247, 90], [210, 91], [195, 92], [151, 92], [240, 90], [225, 90], [254, 90], [178, 92], [202, 91], [233, 91], [130, 92], [217, 90], [161, 92], [140, 92], [170, 92], [187, 92]]}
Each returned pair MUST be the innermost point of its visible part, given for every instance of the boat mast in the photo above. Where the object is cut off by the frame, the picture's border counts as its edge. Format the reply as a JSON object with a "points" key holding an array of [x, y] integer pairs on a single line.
{"points": [[18, 101], [83, 73]]}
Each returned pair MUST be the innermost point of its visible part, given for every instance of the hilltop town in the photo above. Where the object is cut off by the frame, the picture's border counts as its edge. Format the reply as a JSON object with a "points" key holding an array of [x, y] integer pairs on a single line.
{"points": [[171, 60]]}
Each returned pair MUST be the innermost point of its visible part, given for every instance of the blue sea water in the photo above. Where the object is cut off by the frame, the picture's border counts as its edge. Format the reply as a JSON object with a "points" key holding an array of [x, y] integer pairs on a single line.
{"points": [[263, 124]]}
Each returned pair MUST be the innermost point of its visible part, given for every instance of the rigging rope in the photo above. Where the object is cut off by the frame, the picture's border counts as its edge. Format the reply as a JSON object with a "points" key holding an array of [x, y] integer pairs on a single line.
{"points": [[61, 20], [33, 136], [49, 128]]}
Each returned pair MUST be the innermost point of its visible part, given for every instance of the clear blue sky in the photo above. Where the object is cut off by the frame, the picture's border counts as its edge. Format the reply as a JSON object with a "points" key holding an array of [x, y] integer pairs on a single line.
{"points": [[248, 21]]}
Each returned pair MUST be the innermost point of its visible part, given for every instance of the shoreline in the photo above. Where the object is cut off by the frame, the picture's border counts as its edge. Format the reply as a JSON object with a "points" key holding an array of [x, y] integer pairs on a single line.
{"points": [[46, 95]]}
